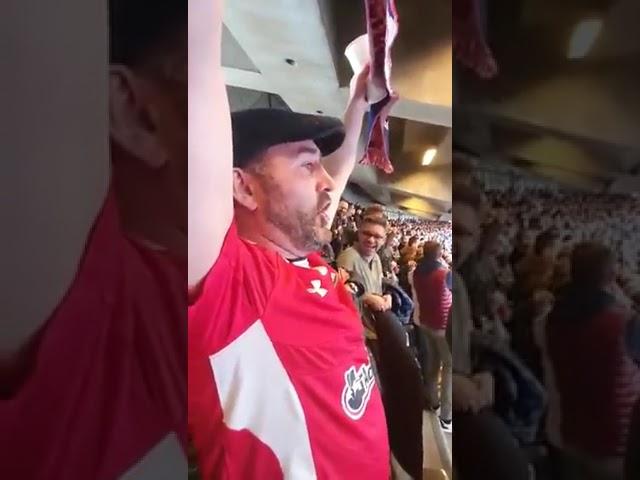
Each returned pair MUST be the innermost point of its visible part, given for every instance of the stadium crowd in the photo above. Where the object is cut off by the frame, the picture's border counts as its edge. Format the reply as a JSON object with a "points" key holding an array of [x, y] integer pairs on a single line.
{"points": [[405, 235], [545, 333], [397, 267]]}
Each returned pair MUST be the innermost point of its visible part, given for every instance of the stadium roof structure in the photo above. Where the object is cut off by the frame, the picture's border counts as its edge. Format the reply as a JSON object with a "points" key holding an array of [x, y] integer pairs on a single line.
{"points": [[287, 54], [572, 120]]}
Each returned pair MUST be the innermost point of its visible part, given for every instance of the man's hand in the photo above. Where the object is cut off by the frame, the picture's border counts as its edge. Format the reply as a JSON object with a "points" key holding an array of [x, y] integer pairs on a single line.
{"points": [[466, 396], [343, 275], [388, 302], [340, 164], [542, 302], [486, 387], [358, 90], [375, 302]]}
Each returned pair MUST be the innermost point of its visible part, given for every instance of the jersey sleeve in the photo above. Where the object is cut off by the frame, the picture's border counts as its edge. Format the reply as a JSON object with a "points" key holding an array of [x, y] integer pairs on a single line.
{"points": [[235, 292], [147, 334], [230, 248], [233, 296], [161, 331]]}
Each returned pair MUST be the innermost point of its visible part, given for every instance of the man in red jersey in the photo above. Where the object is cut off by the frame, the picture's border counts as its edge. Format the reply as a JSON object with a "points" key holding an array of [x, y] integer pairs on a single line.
{"points": [[92, 352], [280, 382]]}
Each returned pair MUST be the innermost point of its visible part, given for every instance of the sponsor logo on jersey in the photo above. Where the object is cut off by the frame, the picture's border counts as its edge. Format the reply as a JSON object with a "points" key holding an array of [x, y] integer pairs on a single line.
{"points": [[316, 288], [357, 390]]}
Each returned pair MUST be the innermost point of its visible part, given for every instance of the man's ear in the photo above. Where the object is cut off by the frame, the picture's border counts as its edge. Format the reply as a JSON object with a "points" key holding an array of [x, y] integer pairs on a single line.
{"points": [[133, 119], [244, 189]]}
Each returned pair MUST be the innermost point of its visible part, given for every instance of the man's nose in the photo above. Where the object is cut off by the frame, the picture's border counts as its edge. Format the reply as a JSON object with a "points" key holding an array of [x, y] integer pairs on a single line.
{"points": [[326, 182]]}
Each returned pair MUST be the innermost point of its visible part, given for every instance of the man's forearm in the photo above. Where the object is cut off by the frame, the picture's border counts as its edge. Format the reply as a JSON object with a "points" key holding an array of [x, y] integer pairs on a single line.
{"points": [[341, 163], [345, 157]]}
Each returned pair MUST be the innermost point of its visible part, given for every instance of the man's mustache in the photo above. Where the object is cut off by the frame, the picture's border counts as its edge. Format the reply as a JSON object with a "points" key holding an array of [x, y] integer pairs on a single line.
{"points": [[324, 202]]}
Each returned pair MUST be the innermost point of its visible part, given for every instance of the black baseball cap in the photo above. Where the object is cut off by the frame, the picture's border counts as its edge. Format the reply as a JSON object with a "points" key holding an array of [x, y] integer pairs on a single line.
{"points": [[256, 130]]}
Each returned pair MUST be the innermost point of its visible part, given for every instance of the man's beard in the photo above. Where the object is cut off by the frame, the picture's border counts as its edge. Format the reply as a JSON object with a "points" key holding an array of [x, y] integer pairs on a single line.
{"points": [[298, 226]]}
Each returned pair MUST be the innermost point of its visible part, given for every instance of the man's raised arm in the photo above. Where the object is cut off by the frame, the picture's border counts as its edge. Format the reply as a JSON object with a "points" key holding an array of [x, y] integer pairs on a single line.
{"points": [[340, 164], [210, 199]]}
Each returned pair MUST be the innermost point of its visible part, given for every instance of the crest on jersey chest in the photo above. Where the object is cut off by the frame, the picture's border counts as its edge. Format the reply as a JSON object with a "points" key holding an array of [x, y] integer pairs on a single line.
{"points": [[316, 285], [358, 386]]}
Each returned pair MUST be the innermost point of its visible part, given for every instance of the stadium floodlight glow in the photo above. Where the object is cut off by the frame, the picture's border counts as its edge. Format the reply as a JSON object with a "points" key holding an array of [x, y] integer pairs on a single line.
{"points": [[428, 156], [583, 37]]}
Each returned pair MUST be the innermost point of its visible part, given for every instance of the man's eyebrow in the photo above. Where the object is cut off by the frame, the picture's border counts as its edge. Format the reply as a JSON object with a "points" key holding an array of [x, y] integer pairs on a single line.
{"points": [[307, 149]]}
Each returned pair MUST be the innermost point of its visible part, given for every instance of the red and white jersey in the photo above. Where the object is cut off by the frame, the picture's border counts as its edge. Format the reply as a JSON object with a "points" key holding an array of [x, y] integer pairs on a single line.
{"points": [[106, 396], [432, 296], [280, 382]]}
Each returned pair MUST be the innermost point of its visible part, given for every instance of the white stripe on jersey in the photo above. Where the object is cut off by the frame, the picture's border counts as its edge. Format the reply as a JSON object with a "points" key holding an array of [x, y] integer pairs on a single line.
{"points": [[249, 369]]}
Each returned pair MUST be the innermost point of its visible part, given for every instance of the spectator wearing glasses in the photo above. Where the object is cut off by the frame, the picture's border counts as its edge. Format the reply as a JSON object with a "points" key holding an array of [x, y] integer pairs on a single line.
{"points": [[364, 265]]}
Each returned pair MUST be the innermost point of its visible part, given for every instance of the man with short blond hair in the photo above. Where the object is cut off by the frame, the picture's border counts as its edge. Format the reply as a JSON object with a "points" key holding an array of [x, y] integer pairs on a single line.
{"points": [[363, 262]]}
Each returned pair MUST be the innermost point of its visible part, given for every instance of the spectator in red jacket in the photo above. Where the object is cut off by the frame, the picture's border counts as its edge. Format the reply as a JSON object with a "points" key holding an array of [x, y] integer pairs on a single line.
{"points": [[433, 302], [592, 379]]}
